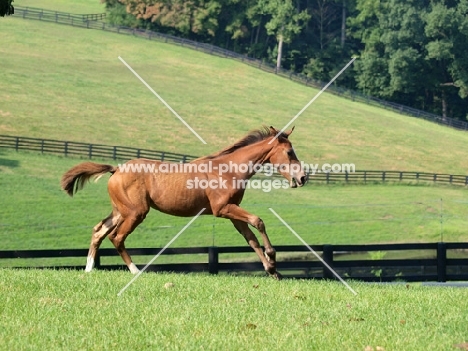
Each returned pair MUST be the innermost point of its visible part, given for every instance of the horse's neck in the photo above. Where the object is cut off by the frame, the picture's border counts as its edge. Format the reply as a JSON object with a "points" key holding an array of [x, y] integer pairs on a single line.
{"points": [[253, 154]]}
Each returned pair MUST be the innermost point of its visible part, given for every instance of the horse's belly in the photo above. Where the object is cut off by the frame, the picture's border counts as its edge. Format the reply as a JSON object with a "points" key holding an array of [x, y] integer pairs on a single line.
{"points": [[174, 197]]}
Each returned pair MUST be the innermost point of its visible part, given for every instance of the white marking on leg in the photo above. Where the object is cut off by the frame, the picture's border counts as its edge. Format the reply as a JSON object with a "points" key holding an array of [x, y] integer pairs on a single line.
{"points": [[89, 264], [133, 268]]}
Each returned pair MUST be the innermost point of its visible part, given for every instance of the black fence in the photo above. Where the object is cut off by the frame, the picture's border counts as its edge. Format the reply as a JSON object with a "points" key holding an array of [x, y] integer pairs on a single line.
{"points": [[90, 151], [93, 21], [70, 148], [389, 176], [434, 266], [58, 16]]}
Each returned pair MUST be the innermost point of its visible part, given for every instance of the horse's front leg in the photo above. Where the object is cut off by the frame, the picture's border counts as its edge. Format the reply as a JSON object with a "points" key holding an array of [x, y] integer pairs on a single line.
{"points": [[241, 219]]}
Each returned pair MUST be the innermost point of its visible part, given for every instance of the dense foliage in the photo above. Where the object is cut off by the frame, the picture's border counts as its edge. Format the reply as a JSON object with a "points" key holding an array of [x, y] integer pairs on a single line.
{"points": [[412, 51]]}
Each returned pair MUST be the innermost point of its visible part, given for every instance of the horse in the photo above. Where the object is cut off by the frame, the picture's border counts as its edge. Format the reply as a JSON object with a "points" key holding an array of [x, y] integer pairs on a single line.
{"points": [[141, 184]]}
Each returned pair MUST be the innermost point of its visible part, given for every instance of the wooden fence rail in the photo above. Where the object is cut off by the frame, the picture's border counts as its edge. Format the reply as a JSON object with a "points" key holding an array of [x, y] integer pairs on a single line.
{"points": [[91, 151], [94, 22], [70, 148], [435, 267], [57, 16]]}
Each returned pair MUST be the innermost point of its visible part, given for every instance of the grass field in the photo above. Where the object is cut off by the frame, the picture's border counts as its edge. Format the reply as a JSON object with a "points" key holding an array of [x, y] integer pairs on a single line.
{"points": [[51, 310], [75, 6], [60, 82], [67, 83]]}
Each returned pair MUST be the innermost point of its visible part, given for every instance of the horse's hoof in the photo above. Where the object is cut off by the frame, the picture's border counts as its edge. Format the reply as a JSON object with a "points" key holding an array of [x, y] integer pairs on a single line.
{"points": [[277, 276]]}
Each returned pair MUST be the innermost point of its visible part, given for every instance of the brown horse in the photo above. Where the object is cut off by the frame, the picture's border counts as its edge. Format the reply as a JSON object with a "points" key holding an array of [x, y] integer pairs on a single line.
{"points": [[216, 183]]}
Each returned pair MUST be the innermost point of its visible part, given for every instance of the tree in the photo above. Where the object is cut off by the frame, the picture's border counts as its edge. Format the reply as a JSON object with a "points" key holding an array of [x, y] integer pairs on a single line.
{"points": [[6, 8], [325, 16], [285, 22], [186, 17], [393, 62], [447, 36], [415, 53]]}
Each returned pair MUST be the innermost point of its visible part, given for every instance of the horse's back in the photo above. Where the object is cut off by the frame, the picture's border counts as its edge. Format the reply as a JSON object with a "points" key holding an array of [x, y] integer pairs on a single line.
{"points": [[156, 185]]}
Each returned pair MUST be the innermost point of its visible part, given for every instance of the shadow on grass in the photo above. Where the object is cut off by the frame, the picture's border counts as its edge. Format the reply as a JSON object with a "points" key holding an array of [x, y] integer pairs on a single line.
{"points": [[5, 162]]}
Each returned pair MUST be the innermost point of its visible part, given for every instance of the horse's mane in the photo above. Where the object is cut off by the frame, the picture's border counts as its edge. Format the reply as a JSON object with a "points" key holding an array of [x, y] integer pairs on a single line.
{"points": [[253, 137]]}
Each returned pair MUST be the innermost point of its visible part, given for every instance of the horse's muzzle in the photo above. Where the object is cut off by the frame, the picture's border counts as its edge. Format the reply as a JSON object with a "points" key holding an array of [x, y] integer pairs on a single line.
{"points": [[298, 182]]}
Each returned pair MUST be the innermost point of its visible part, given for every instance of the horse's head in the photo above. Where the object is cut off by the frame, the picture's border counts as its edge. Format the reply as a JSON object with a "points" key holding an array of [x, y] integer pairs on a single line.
{"points": [[283, 158]]}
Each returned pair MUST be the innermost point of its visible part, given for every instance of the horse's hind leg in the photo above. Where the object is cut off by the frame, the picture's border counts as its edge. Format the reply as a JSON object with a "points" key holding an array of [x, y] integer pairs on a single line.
{"points": [[118, 237], [100, 231], [268, 257]]}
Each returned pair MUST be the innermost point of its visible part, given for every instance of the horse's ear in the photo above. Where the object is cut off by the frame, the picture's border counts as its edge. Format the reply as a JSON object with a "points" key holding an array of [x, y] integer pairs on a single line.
{"points": [[289, 133], [273, 130]]}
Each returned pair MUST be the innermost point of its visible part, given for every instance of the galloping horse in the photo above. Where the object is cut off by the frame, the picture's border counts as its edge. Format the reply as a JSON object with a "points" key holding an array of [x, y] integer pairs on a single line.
{"points": [[133, 192]]}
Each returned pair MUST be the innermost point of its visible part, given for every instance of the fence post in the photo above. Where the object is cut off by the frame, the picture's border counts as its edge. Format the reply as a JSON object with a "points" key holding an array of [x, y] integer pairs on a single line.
{"points": [[441, 262], [213, 260], [383, 176], [90, 152], [327, 255], [328, 177], [65, 150], [162, 156]]}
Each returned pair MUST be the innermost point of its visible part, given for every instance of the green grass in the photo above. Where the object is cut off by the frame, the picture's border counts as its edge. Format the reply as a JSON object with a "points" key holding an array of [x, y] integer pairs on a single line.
{"points": [[62, 82], [75, 6], [63, 310]]}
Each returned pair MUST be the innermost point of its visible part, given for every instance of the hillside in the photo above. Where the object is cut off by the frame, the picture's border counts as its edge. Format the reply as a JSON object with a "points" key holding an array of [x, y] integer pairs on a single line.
{"points": [[67, 83]]}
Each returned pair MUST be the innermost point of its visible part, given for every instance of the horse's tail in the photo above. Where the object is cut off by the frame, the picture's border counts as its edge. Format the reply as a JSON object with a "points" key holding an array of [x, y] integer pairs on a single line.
{"points": [[76, 177]]}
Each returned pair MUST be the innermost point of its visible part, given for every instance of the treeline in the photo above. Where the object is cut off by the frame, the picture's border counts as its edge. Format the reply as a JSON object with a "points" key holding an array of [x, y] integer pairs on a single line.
{"points": [[412, 52]]}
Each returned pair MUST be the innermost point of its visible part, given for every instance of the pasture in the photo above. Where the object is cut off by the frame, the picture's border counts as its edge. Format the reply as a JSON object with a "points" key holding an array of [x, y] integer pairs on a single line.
{"points": [[66, 83], [73, 310]]}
